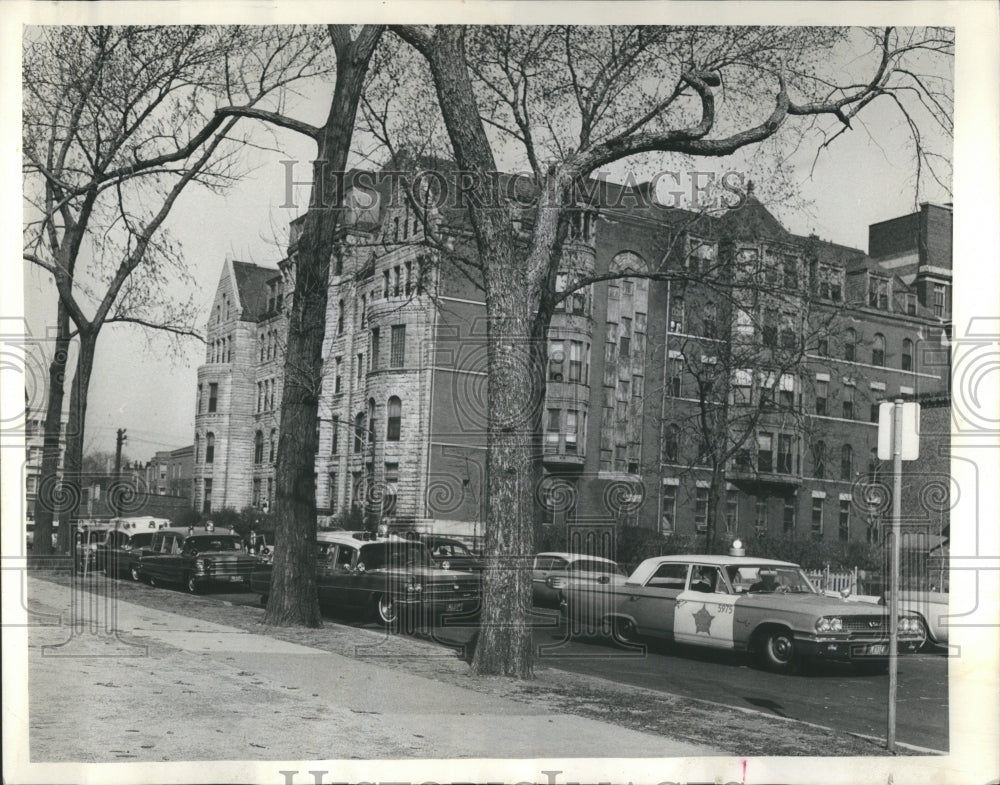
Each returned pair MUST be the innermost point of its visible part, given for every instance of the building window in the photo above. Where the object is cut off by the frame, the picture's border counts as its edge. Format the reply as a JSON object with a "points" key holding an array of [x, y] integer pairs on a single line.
{"points": [[906, 359], [819, 459], [335, 435], [844, 522], [572, 424], [255, 500], [850, 344], [206, 504], [361, 367], [575, 360], [397, 285], [786, 391], [677, 315], [671, 440], [817, 518], [878, 292], [274, 445], [676, 374], [769, 327], [760, 515], [373, 355], [788, 516], [764, 453], [911, 305], [873, 415], [398, 347], [331, 492], [213, 396], [878, 350], [385, 284], [939, 300], [394, 419], [340, 317], [823, 346], [359, 432], [846, 463], [209, 447], [556, 358], [338, 378], [625, 338], [709, 319], [701, 509], [784, 453], [847, 405], [732, 512], [409, 279], [668, 509], [390, 491], [371, 423], [258, 448], [790, 269], [822, 391]]}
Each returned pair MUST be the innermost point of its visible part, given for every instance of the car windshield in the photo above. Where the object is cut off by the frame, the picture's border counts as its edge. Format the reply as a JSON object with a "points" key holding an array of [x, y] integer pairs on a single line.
{"points": [[595, 566], [213, 543], [141, 540], [394, 554], [447, 548], [768, 578]]}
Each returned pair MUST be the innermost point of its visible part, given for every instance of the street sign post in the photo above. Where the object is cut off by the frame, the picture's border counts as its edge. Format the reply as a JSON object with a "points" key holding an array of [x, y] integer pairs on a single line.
{"points": [[898, 438]]}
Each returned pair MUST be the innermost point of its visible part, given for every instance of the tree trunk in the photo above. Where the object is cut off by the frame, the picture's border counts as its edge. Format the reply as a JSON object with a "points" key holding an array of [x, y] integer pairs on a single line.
{"points": [[293, 598], [72, 489], [47, 493], [716, 506]]}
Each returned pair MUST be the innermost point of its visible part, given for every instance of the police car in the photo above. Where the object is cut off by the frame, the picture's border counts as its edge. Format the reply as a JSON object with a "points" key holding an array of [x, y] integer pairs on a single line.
{"points": [[762, 606]]}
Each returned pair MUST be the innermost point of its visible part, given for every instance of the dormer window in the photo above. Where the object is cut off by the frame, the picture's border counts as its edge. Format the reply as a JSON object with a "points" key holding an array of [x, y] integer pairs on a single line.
{"points": [[878, 292]]}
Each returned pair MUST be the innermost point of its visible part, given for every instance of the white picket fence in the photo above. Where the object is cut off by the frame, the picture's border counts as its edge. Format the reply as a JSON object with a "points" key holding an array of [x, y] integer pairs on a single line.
{"points": [[826, 580]]}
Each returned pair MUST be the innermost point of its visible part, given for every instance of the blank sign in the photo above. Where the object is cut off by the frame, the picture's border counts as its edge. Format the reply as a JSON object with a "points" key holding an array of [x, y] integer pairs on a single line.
{"points": [[911, 431]]}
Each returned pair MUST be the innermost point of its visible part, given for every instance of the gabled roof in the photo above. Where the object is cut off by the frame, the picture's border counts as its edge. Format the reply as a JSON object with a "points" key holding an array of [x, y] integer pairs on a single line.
{"points": [[752, 220], [251, 283]]}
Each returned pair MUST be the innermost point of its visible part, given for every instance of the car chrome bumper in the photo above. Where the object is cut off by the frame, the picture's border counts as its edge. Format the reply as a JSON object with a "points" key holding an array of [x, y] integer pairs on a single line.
{"points": [[841, 648]]}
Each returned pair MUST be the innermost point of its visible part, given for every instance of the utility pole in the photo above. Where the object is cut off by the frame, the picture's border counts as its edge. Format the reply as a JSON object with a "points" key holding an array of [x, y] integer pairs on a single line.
{"points": [[118, 467]]}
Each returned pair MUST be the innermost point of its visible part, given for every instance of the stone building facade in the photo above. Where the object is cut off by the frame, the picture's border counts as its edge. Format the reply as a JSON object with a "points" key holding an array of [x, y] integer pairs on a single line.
{"points": [[402, 414]]}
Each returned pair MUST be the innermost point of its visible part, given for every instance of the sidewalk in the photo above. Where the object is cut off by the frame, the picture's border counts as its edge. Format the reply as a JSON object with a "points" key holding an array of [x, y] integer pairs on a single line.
{"points": [[175, 688]]}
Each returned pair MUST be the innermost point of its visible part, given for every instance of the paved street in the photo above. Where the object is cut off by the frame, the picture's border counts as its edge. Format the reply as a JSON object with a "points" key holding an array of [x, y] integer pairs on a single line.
{"points": [[835, 696]]}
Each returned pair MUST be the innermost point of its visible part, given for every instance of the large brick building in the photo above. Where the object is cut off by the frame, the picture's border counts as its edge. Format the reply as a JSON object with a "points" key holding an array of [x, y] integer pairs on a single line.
{"points": [[402, 413]]}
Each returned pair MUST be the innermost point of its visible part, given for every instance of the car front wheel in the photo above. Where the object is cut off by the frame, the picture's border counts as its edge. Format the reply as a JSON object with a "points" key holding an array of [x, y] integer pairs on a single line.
{"points": [[136, 575], [386, 610], [192, 585], [777, 650]]}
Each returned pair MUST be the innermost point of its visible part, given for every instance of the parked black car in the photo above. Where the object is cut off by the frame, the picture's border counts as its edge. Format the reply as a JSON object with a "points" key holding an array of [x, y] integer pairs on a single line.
{"points": [[389, 578], [195, 558], [451, 554], [118, 555]]}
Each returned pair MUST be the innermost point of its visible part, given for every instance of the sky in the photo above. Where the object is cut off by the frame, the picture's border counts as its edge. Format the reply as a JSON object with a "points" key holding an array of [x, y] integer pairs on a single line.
{"points": [[146, 384]]}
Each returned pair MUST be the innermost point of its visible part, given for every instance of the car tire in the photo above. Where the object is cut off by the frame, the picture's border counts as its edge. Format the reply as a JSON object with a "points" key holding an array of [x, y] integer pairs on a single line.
{"points": [[776, 650], [192, 585], [136, 575], [625, 631], [386, 610], [872, 667]]}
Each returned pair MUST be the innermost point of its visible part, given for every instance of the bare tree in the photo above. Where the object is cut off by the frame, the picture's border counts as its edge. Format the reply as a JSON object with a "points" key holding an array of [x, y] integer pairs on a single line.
{"points": [[117, 123], [293, 584], [574, 100]]}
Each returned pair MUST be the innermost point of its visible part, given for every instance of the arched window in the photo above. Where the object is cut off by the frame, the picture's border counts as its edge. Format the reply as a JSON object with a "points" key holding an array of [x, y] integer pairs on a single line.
{"points": [[878, 349], [258, 447], [273, 445], [850, 342], [394, 415], [359, 431], [371, 422], [670, 444], [906, 361], [209, 447], [846, 462]]}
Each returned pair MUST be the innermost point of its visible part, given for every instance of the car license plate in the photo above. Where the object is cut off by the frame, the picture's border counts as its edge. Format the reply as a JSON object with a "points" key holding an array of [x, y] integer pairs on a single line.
{"points": [[236, 579], [454, 606], [876, 649]]}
